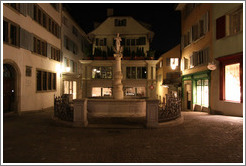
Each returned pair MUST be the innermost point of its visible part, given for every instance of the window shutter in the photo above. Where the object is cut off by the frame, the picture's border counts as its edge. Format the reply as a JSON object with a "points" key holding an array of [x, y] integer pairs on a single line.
{"points": [[26, 39], [48, 50], [167, 61], [30, 10], [191, 61], [206, 22], [23, 8], [220, 27]]}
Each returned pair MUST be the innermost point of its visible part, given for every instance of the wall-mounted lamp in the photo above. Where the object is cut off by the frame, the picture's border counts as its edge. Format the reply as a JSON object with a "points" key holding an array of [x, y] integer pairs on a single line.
{"points": [[68, 69]]}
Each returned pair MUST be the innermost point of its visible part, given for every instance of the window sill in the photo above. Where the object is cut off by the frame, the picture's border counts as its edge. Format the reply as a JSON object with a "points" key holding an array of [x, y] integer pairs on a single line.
{"points": [[230, 101], [45, 91], [7, 43]]}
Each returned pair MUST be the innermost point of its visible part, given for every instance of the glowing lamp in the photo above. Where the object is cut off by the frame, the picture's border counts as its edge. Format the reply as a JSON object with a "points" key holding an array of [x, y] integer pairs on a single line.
{"points": [[68, 69]]}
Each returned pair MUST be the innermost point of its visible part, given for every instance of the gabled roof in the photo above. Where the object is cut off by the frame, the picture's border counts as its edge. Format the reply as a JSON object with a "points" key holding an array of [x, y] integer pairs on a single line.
{"points": [[132, 27]]}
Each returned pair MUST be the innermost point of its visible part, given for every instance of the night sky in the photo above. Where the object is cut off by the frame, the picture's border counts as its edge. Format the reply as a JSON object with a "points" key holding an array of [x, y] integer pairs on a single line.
{"points": [[163, 18]]}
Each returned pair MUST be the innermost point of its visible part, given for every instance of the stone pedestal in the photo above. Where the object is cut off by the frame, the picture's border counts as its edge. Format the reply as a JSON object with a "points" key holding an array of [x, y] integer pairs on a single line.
{"points": [[117, 84], [152, 113], [80, 113]]}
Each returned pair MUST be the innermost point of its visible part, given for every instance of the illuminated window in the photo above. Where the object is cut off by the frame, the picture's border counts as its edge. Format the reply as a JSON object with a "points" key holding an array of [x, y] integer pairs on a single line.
{"points": [[231, 77], [232, 82], [99, 92], [70, 87], [135, 91], [174, 62], [202, 94]]}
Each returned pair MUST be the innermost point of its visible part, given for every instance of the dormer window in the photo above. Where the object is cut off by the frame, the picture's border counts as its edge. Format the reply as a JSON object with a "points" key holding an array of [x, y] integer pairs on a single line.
{"points": [[120, 22]]}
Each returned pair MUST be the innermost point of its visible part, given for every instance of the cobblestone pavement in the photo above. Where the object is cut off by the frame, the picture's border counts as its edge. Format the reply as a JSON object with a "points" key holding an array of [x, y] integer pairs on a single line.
{"points": [[201, 138]]}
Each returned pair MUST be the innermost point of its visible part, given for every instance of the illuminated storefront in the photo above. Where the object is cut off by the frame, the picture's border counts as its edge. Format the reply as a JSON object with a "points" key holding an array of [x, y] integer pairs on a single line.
{"points": [[197, 96]]}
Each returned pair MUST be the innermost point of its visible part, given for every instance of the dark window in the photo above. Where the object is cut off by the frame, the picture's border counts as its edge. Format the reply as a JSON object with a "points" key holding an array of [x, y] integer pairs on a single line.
{"points": [[220, 27], [120, 22], [54, 81], [46, 81], [44, 20], [128, 42], [39, 80], [39, 46], [75, 31], [5, 31], [11, 33], [133, 42], [136, 73], [49, 81]]}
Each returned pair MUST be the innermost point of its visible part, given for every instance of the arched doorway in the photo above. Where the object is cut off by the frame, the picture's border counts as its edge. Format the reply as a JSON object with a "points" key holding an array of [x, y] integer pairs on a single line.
{"points": [[9, 88]]}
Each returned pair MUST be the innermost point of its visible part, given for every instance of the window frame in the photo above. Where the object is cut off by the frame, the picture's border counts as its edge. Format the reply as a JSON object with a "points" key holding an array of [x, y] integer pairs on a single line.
{"points": [[53, 81], [8, 37]]}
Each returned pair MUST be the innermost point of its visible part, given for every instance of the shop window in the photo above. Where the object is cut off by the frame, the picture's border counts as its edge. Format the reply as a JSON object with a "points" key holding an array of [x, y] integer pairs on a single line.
{"points": [[232, 82], [231, 78], [102, 72], [202, 93], [70, 87]]}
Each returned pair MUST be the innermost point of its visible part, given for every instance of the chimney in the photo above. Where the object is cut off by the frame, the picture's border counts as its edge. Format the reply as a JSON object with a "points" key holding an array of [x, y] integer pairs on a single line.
{"points": [[110, 12]]}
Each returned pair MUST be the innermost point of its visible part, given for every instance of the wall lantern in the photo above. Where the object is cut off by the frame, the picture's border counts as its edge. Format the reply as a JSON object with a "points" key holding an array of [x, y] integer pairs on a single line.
{"points": [[68, 69], [211, 66]]}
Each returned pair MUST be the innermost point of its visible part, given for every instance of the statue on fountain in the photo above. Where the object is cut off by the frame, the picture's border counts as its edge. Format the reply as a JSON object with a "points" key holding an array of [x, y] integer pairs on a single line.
{"points": [[119, 49]]}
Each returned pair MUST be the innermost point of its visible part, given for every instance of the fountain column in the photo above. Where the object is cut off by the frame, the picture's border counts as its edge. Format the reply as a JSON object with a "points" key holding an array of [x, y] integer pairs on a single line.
{"points": [[117, 84]]}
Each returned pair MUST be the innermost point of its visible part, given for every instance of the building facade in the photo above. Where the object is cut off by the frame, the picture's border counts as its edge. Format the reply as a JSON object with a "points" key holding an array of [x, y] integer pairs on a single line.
{"points": [[168, 74], [75, 45], [227, 79], [196, 48], [31, 55], [139, 71]]}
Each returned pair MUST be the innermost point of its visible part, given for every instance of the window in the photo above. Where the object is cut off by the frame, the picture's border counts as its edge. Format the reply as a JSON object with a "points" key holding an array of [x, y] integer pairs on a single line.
{"points": [[102, 72], [11, 33], [41, 17], [229, 24], [70, 87], [202, 94], [46, 81], [64, 21], [28, 71], [195, 35], [231, 78], [136, 73], [174, 62], [199, 58], [236, 21], [75, 31], [55, 54], [135, 91], [39, 46], [15, 6], [100, 91], [101, 42], [120, 22]]}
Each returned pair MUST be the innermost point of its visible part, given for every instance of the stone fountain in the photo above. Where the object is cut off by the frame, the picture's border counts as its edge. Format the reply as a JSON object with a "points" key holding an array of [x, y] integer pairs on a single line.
{"points": [[118, 106]]}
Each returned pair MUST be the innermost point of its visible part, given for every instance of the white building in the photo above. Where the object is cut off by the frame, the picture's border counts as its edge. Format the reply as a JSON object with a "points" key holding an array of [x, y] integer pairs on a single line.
{"points": [[139, 72], [227, 79], [75, 45], [31, 55]]}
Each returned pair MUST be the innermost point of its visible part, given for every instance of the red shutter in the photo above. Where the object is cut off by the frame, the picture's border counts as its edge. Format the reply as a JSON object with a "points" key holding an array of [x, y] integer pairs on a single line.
{"points": [[220, 27]]}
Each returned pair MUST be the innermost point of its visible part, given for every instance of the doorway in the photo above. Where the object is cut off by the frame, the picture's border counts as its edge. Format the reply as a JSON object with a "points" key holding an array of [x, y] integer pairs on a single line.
{"points": [[188, 97], [9, 88]]}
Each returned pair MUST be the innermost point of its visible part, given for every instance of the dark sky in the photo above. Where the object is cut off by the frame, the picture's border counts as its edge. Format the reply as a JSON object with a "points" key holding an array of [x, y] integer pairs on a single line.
{"points": [[164, 19]]}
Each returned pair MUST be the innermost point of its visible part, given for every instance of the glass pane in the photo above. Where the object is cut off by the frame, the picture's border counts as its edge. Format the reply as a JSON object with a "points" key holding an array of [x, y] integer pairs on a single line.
{"points": [[66, 87], [74, 89], [49, 81], [141, 91], [38, 80], [133, 72], [96, 91], [232, 82], [205, 96], [139, 73], [5, 31], [107, 92], [199, 94], [13, 35], [144, 73], [128, 72], [54, 81], [130, 92], [71, 87], [44, 80]]}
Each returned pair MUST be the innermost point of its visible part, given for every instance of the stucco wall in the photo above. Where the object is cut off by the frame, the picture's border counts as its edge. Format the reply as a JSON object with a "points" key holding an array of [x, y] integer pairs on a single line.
{"points": [[225, 46], [29, 98]]}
